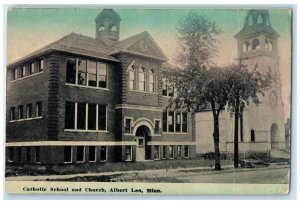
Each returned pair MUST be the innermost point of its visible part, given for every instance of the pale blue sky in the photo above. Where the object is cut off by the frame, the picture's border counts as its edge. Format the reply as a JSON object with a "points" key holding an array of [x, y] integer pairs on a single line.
{"points": [[30, 29]]}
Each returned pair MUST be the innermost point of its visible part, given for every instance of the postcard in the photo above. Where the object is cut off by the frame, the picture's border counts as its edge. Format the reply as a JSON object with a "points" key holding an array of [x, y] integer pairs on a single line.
{"points": [[144, 101]]}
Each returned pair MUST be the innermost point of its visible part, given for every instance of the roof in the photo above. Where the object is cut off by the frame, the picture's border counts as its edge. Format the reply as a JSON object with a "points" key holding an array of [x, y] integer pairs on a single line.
{"points": [[124, 45], [257, 21], [76, 44], [84, 45], [108, 13]]}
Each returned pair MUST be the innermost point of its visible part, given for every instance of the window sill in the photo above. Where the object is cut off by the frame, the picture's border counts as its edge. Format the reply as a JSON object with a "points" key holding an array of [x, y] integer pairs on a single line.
{"points": [[89, 87], [128, 134], [67, 162], [176, 133], [26, 119], [92, 161], [26, 77], [155, 135], [146, 92], [78, 162], [72, 130]]}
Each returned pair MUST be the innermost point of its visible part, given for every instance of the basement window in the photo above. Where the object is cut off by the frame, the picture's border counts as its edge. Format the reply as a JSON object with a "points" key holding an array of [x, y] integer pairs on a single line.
{"points": [[171, 152], [68, 154], [37, 154], [128, 153], [186, 151], [103, 153], [92, 153], [80, 154]]}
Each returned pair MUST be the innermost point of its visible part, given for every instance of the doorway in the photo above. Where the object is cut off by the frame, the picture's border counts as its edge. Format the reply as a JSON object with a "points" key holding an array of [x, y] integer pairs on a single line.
{"points": [[141, 138]]}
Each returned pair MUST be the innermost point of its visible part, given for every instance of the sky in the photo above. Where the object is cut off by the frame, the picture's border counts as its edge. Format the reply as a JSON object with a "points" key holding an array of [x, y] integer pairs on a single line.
{"points": [[31, 29]]}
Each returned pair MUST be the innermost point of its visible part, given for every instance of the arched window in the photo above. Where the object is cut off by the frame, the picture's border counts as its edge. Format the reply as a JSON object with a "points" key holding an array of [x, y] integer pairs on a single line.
{"points": [[255, 44], [151, 81], [142, 79], [131, 78], [270, 45], [252, 135], [114, 28], [250, 20], [246, 46], [266, 44], [259, 19]]}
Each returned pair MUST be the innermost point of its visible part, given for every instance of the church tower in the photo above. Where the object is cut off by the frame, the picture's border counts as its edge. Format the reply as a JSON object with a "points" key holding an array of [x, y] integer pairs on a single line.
{"points": [[108, 26], [258, 48]]}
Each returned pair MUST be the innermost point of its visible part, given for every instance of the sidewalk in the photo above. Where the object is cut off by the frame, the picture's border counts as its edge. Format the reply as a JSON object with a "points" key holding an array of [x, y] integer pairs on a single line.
{"points": [[157, 172]]}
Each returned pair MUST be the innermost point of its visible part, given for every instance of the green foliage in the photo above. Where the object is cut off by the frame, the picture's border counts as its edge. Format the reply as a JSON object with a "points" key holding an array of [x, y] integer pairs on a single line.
{"points": [[197, 41]]}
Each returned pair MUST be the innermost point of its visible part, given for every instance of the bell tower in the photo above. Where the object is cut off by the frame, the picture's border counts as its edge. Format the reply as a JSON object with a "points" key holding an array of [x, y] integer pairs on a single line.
{"points": [[108, 26], [257, 44]]}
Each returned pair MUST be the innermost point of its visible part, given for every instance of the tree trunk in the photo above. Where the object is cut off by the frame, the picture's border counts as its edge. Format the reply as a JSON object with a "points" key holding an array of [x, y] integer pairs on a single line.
{"points": [[236, 134], [216, 142]]}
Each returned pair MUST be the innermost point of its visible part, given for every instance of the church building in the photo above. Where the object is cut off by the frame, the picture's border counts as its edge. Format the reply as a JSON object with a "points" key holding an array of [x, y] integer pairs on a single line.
{"points": [[261, 128], [95, 99]]}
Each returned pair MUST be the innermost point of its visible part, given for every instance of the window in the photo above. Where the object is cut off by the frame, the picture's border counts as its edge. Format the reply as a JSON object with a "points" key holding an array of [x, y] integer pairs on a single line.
{"points": [[259, 19], [38, 109], [171, 89], [31, 68], [92, 116], [128, 125], [142, 79], [250, 20], [92, 153], [80, 154], [20, 112], [81, 116], [131, 78], [246, 46], [10, 154], [102, 117], [178, 121], [67, 154], [167, 88], [156, 152], [92, 73], [151, 81], [103, 153], [252, 135], [186, 151], [29, 111], [19, 151], [82, 72], [12, 113], [27, 154], [175, 122], [102, 75], [15, 74], [71, 71], [22, 72], [41, 65], [70, 115], [171, 122], [171, 152], [164, 87], [255, 44], [164, 153], [179, 151], [165, 121], [37, 154], [184, 122], [156, 126], [128, 153]]}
